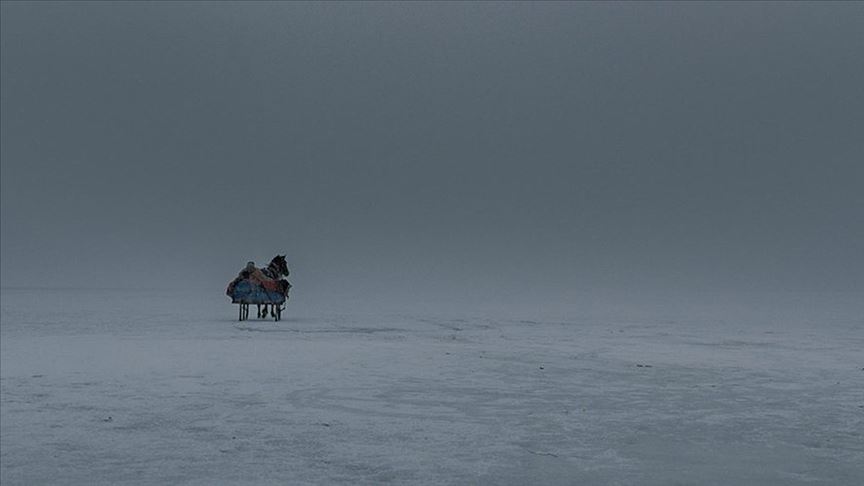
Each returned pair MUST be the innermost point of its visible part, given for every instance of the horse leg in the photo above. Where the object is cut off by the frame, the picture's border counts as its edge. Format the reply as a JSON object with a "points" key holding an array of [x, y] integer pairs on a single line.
{"points": [[259, 309], [265, 312], [240, 316]]}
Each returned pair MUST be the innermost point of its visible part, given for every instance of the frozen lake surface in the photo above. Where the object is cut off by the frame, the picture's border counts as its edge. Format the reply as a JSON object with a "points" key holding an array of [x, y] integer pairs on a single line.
{"points": [[111, 387]]}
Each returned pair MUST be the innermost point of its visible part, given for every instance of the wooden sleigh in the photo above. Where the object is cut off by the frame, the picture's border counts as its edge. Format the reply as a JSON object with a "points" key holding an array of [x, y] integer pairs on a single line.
{"points": [[247, 292]]}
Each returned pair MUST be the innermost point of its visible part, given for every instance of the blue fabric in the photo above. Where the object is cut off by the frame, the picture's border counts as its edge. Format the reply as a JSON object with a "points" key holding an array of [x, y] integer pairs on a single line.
{"points": [[245, 292]]}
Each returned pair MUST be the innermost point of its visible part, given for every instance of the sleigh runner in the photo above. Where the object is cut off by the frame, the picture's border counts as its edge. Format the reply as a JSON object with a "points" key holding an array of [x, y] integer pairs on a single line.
{"points": [[262, 287]]}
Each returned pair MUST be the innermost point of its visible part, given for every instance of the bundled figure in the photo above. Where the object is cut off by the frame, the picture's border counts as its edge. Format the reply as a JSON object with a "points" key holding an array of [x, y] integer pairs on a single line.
{"points": [[264, 287]]}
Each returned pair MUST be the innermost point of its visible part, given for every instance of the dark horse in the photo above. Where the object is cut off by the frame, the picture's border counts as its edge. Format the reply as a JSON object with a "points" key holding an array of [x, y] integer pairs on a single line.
{"points": [[261, 287], [275, 270]]}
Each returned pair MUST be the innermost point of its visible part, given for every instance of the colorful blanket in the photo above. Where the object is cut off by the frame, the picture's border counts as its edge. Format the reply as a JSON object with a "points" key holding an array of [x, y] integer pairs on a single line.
{"points": [[247, 291]]}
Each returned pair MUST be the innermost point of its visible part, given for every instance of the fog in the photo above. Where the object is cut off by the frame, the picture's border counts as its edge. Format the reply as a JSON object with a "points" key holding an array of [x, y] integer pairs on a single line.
{"points": [[407, 150]]}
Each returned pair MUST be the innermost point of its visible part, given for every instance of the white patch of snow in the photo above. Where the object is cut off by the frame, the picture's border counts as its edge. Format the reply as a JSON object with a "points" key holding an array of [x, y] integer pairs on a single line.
{"points": [[153, 388]]}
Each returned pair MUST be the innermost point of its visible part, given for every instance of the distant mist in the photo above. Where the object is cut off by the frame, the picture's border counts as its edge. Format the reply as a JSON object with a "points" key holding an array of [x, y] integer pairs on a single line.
{"points": [[503, 150]]}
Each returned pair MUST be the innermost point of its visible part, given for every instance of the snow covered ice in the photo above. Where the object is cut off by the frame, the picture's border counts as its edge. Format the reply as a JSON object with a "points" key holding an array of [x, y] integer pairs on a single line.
{"points": [[113, 387]]}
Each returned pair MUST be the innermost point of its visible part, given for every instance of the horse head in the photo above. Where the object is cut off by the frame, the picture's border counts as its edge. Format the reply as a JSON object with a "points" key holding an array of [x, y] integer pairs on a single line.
{"points": [[280, 265]]}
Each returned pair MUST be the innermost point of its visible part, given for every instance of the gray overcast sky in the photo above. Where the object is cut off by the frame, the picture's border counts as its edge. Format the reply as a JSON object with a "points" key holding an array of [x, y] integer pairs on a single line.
{"points": [[407, 148]]}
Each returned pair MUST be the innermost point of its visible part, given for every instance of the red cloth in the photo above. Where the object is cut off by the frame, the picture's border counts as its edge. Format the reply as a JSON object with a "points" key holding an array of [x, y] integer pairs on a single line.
{"points": [[257, 277], [263, 280]]}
